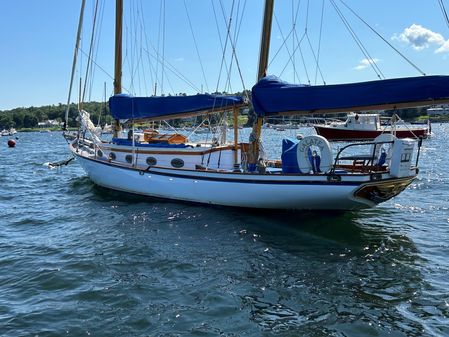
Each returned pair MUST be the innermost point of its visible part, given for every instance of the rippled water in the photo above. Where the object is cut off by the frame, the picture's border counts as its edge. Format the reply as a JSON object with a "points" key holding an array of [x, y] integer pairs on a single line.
{"points": [[79, 260]]}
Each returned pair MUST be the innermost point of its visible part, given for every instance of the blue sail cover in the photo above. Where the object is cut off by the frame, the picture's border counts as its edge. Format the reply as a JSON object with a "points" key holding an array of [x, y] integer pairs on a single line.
{"points": [[127, 107], [271, 96]]}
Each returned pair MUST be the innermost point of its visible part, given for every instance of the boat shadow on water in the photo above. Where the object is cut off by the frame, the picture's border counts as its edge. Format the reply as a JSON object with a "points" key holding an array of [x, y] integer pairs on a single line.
{"points": [[300, 271], [346, 228]]}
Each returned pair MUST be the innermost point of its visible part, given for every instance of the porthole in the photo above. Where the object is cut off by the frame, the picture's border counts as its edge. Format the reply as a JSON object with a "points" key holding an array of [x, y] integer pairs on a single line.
{"points": [[112, 156], [129, 158], [100, 153], [151, 161], [177, 162]]}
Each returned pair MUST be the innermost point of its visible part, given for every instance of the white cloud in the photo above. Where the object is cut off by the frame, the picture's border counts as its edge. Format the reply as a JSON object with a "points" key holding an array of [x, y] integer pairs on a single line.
{"points": [[179, 59], [365, 63], [444, 48], [420, 38]]}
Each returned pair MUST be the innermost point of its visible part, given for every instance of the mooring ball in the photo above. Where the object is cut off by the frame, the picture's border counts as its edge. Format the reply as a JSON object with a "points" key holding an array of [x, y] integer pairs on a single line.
{"points": [[11, 143]]}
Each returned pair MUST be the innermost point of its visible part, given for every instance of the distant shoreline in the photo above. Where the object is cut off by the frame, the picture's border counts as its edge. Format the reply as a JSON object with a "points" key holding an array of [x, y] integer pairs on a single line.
{"points": [[44, 129]]}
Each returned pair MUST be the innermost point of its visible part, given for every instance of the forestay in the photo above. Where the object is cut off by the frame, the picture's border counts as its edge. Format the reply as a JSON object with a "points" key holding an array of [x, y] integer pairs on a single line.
{"points": [[272, 96]]}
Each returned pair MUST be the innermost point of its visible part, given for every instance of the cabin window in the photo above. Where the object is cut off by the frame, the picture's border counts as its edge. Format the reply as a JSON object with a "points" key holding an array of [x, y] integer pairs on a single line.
{"points": [[112, 156], [129, 158], [100, 153], [151, 161], [177, 162]]}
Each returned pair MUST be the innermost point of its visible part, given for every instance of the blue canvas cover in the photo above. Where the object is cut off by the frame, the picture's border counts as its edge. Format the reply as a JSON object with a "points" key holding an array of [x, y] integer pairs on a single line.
{"points": [[123, 106], [271, 96], [289, 156]]}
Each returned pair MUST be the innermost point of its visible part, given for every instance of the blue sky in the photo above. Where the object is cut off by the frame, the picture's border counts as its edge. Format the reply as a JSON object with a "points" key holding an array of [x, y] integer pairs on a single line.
{"points": [[37, 40]]}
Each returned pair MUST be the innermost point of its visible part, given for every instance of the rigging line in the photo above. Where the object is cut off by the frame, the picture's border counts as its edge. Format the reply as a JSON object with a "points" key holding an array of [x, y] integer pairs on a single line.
{"points": [[358, 42], [134, 51], [313, 52], [173, 70], [283, 42], [97, 45], [294, 37], [228, 27], [75, 56], [143, 40], [443, 9], [196, 45], [319, 46], [368, 57], [141, 57], [101, 68], [170, 85], [138, 47], [238, 64], [128, 59], [302, 54], [375, 32], [306, 27], [294, 18], [163, 52], [132, 45], [221, 44], [292, 31], [158, 46], [159, 59], [234, 44], [232, 41], [241, 18], [150, 66]]}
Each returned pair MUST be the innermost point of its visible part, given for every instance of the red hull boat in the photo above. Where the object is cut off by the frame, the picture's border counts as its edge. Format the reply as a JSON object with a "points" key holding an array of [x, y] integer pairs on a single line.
{"points": [[368, 127]]}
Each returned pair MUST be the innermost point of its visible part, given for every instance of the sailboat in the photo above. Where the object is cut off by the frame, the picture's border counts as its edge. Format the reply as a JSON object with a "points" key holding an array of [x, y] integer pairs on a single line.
{"points": [[308, 176]]}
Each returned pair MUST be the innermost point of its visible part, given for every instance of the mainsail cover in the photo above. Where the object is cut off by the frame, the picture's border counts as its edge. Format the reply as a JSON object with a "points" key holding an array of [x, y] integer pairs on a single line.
{"points": [[123, 106], [271, 96]]}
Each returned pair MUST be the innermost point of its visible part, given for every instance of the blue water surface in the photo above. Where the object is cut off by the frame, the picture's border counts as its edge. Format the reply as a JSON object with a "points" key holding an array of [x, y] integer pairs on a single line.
{"points": [[80, 260]]}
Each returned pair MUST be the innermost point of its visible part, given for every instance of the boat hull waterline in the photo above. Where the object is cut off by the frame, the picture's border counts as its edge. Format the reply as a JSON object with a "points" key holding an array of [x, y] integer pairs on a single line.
{"points": [[295, 192]]}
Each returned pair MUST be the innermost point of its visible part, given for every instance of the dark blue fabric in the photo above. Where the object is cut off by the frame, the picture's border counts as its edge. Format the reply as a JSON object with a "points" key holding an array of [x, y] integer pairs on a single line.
{"points": [[127, 107], [382, 159], [271, 96], [289, 156], [316, 162]]}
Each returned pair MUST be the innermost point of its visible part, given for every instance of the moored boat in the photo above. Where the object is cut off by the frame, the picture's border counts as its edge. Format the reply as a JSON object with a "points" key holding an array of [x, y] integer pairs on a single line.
{"points": [[358, 127], [310, 174]]}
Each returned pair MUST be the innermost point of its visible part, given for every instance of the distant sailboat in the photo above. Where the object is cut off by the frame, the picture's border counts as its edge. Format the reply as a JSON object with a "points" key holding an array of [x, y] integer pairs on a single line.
{"points": [[307, 176]]}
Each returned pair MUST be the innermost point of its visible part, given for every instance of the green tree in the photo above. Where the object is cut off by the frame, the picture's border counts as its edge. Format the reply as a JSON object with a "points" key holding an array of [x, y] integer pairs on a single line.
{"points": [[6, 121], [30, 121]]}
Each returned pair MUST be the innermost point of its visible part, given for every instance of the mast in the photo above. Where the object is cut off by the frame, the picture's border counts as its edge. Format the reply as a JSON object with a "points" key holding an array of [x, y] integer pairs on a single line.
{"points": [[118, 55], [75, 55], [263, 65], [265, 39]]}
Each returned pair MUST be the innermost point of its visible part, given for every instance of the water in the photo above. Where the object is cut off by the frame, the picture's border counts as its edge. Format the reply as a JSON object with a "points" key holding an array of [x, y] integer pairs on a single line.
{"points": [[79, 260]]}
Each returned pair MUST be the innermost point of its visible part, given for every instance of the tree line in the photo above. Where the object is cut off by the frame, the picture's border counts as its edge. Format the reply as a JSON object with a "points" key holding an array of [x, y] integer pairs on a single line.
{"points": [[27, 118]]}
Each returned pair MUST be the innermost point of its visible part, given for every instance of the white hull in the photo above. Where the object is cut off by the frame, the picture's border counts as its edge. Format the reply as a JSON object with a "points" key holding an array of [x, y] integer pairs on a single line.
{"points": [[270, 191], [281, 195]]}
